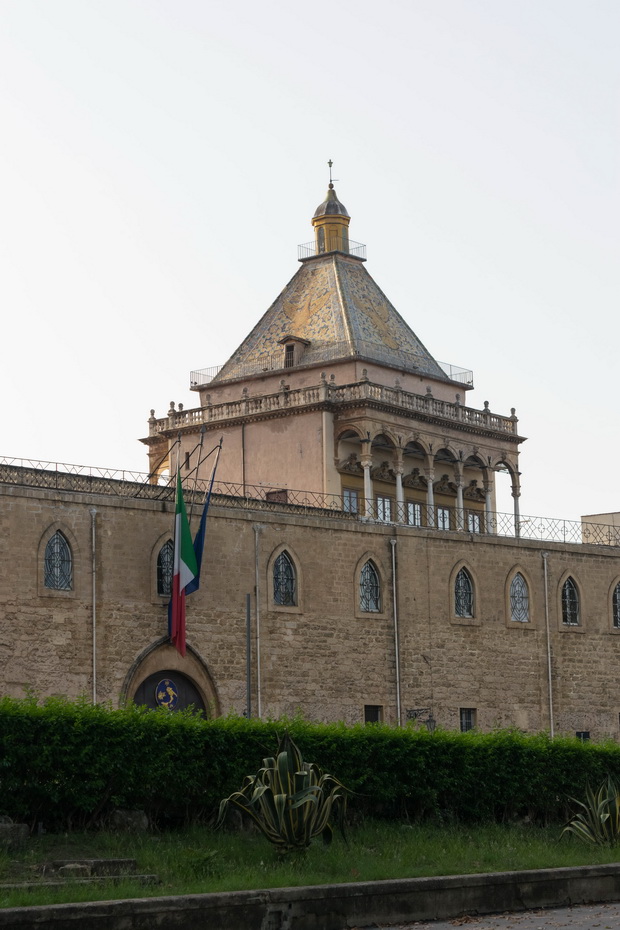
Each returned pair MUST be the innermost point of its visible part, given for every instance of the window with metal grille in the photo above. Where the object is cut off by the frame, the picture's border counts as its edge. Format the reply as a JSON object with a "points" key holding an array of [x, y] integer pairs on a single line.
{"points": [[463, 594], [370, 589], [384, 508], [615, 606], [570, 603], [474, 524], [284, 586], [373, 713], [443, 518], [519, 599], [350, 500], [414, 514], [58, 572], [165, 567], [289, 356], [467, 718]]}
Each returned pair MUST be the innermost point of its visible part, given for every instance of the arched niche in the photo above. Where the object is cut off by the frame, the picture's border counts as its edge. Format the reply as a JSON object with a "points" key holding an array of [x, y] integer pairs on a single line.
{"points": [[161, 661]]}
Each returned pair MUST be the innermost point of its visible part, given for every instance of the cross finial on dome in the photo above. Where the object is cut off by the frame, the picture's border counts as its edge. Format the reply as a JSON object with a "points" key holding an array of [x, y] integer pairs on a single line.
{"points": [[331, 180]]}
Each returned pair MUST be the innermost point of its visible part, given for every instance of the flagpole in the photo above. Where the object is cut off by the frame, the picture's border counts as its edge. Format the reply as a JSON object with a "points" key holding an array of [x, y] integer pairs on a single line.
{"points": [[174, 536], [199, 539], [203, 430]]}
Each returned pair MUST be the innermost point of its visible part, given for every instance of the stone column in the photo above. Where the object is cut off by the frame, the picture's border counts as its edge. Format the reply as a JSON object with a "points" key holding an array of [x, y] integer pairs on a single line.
{"points": [[488, 513], [369, 508], [516, 494], [430, 497], [400, 494], [460, 511]]}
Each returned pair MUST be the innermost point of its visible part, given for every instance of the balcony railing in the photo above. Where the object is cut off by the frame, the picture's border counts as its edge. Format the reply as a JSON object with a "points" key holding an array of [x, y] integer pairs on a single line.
{"points": [[424, 405], [310, 249], [275, 361], [416, 518]]}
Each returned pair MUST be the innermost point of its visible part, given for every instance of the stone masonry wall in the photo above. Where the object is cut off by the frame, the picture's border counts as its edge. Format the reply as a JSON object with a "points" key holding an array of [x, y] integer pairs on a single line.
{"points": [[323, 657]]}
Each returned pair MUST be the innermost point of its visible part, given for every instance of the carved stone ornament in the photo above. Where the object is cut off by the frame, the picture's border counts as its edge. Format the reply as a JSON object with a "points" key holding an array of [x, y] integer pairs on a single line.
{"points": [[351, 465], [383, 472], [444, 486], [472, 492], [415, 480]]}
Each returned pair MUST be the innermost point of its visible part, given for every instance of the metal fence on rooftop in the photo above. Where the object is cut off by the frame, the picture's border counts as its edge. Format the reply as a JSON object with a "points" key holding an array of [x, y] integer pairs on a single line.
{"points": [[412, 516]]}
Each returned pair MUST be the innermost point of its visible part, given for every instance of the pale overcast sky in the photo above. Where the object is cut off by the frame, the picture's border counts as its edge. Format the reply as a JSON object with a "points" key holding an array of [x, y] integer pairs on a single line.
{"points": [[161, 160]]}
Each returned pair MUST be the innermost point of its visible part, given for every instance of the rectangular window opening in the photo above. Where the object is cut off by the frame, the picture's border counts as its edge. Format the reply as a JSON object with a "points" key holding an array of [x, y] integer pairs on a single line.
{"points": [[467, 718], [384, 509], [443, 518], [350, 500], [414, 514], [373, 713]]}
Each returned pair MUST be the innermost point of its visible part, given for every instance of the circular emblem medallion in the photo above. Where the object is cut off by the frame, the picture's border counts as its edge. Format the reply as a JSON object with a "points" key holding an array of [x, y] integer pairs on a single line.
{"points": [[167, 694]]}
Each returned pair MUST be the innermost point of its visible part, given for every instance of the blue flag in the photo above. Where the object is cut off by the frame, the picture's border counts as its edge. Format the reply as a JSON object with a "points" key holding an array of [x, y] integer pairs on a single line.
{"points": [[199, 540]]}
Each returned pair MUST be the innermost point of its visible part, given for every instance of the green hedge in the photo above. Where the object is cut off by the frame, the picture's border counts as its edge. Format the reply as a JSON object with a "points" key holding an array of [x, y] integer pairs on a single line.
{"points": [[67, 764]]}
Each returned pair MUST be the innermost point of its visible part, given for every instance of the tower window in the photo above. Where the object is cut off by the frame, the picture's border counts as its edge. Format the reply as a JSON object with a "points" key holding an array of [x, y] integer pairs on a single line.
{"points": [[350, 500], [414, 514], [58, 564], [384, 508], [289, 356]]}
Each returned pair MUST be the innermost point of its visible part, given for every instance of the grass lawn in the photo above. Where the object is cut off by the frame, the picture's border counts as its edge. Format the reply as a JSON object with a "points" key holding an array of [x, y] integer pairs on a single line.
{"points": [[201, 860]]}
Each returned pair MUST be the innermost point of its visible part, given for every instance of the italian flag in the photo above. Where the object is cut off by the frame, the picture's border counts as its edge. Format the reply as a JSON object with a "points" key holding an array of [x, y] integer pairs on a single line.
{"points": [[185, 570]]}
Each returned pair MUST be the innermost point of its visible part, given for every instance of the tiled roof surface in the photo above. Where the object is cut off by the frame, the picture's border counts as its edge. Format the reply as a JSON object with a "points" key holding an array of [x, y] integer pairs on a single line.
{"points": [[334, 303]]}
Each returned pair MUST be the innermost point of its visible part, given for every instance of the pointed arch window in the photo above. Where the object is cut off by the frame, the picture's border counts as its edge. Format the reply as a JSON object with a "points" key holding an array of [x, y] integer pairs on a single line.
{"points": [[519, 599], [284, 581], [58, 563], [570, 603], [463, 594], [165, 568], [370, 589], [615, 607]]}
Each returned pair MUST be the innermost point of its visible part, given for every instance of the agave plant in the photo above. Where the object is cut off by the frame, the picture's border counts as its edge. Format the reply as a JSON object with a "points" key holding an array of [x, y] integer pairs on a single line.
{"points": [[598, 821], [289, 800]]}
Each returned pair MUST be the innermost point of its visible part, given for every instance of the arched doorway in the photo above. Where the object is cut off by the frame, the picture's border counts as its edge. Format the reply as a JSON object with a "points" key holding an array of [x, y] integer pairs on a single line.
{"points": [[169, 688], [181, 681]]}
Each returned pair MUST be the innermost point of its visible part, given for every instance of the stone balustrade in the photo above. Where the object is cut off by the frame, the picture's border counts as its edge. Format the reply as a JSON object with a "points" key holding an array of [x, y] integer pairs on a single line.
{"points": [[256, 405]]}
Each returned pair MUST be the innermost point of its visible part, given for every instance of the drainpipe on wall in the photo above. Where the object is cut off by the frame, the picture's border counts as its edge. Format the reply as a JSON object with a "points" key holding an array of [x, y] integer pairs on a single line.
{"points": [[93, 537], [259, 706], [545, 556], [396, 639]]}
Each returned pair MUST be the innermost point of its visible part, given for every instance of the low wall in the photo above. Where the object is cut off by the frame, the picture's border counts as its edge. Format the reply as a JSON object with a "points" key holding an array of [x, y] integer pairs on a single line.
{"points": [[333, 907]]}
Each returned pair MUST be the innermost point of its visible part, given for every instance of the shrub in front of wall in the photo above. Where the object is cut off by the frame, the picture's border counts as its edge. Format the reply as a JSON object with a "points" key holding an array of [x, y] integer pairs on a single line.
{"points": [[68, 764]]}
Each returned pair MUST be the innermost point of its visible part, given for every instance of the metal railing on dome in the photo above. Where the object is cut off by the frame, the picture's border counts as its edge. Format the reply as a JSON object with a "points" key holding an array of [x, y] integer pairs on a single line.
{"points": [[411, 516], [347, 247]]}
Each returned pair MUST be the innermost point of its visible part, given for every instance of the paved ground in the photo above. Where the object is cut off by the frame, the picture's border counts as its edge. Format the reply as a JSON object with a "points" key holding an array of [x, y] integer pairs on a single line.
{"points": [[580, 917]]}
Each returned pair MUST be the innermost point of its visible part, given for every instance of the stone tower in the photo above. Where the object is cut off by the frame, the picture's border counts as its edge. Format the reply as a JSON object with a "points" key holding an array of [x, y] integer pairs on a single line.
{"points": [[333, 401]]}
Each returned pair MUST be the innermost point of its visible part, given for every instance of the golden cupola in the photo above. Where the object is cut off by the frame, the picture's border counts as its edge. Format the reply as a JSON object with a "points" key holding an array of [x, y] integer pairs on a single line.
{"points": [[331, 224]]}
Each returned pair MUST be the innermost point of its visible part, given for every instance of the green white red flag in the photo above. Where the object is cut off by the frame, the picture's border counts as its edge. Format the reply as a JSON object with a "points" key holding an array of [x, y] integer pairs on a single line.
{"points": [[185, 569]]}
